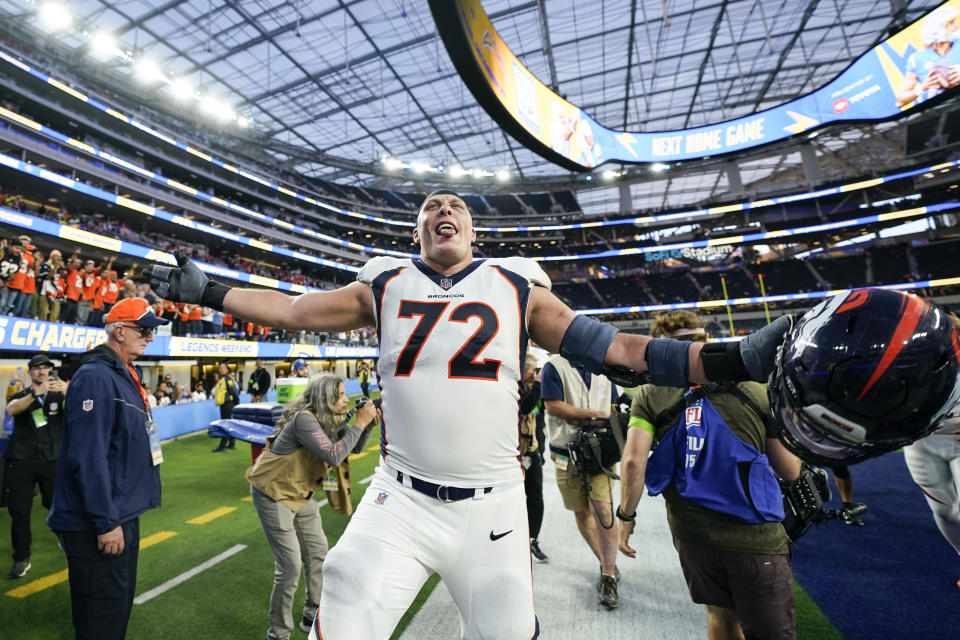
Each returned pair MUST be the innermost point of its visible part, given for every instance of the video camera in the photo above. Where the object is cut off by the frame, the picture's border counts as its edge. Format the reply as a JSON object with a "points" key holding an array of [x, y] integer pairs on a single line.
{"points": [[803, 501], [598, 446]]}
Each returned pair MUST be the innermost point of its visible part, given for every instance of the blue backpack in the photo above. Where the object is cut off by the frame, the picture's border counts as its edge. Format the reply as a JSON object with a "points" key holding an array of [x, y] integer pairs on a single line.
{"points": [[710, 465]]}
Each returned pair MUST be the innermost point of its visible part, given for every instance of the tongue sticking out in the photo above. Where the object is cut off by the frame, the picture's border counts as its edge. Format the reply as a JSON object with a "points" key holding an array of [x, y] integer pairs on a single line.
{"points": [[446, 232]]}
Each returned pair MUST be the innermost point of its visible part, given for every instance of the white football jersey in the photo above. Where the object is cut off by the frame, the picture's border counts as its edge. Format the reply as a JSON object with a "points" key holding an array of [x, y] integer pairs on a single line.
{"points": [[452, 350]]}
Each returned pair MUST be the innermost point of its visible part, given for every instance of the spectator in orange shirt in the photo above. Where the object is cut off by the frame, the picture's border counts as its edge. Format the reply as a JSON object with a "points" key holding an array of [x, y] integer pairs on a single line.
{"points": [[112, 293], [16, 281], [68, 313], [184, 318], [196, 323], [88, 289], [9, 268], [91, 284], [104, 298], [28, 295]]}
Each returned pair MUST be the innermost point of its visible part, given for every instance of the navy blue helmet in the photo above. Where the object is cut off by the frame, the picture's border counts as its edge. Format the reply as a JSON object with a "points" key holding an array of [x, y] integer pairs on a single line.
{"points": [[863, 373]]}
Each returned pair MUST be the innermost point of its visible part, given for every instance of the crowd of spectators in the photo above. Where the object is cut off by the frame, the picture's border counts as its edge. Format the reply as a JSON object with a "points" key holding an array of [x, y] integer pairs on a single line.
{"points": [[42, 285]]}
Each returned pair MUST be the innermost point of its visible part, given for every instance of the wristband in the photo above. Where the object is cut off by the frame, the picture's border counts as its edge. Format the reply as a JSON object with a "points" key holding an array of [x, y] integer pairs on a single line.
{"points": [[622, 516], [213, 294]]}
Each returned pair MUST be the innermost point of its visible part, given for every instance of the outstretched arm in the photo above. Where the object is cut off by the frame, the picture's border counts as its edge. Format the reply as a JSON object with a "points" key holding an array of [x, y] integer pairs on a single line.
{"points": [[550, 319], [349, 307], [671, 363]]}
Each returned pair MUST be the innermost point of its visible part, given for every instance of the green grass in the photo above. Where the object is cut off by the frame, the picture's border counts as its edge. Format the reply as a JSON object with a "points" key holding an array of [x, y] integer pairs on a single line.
{"points": [[812, 624], [229, 600]]}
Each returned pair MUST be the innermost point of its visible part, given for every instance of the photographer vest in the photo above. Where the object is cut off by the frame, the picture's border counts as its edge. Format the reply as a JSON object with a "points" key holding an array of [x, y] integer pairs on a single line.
{"points": [[293, 478], [711, 466], [575, 392]]}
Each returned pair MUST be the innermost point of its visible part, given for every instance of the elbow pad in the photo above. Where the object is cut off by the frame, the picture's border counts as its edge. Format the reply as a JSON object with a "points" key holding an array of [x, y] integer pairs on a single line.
{"points": [[668, 362], [586, 341]]}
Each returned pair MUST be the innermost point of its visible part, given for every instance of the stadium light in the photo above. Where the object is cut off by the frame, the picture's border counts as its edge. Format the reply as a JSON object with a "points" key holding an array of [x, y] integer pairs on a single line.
{"points": [[659, 166], [147, 71], [609, 175], [210, 105], [54, 16], [503, 175], [182, 89], [418, 167], [103, 46], [392, 163], [456, 171]]}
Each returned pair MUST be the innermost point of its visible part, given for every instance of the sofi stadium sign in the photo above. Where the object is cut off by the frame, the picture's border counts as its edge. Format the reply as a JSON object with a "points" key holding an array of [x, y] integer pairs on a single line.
{"points": [[702, 254], [897, 75]]}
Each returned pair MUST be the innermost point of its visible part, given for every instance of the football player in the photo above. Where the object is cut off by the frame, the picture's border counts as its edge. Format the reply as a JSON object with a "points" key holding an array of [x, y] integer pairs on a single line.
{"points": [[448, 495]]}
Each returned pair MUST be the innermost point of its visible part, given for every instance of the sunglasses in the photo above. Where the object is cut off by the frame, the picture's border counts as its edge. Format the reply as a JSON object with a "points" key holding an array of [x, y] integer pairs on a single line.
{"points": [[145, 332]]}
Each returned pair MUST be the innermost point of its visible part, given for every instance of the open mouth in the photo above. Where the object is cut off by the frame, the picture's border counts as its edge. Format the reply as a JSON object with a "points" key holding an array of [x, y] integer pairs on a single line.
{"points": [[446, 230]]}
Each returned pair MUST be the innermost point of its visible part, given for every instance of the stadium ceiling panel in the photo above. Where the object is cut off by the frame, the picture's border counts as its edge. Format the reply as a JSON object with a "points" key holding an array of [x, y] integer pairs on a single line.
{"points": [[368, 79]]}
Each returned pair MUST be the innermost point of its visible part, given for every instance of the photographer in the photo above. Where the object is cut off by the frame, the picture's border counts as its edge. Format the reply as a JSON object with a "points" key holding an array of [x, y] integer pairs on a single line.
{"points": [[571, 396], [313, 437], [31, 456], [734, 553]]}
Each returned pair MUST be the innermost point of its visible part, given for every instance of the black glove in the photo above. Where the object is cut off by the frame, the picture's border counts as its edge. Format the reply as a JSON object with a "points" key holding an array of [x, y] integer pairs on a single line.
{"points": [[185, 283], [759, 349]]}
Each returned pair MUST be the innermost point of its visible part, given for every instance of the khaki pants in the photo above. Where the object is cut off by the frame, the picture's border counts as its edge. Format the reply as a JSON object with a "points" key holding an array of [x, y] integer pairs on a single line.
{"points": [[48, 309], [286, 531]]}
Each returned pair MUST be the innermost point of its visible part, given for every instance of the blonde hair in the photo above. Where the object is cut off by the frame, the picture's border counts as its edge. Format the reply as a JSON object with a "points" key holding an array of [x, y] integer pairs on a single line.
{"points": [[665, 325], [319, 398], [530, 362]]}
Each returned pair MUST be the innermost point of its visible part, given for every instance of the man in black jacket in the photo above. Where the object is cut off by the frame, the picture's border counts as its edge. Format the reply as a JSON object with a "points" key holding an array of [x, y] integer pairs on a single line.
{"points": [[31, 456], [259, 382]]}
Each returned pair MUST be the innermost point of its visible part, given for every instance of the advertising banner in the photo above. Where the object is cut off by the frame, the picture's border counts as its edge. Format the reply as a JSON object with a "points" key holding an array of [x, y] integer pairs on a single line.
{"points": [[22, 334], [916, 64]]}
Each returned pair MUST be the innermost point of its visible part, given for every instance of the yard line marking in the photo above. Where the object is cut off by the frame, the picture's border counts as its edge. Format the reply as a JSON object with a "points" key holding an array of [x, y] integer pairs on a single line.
{"points": [[373, 447], [357, 456], [367, 479], [247, 499], [38, 585], [211, 515], [159, 536], [323, 502], [186, 575]]}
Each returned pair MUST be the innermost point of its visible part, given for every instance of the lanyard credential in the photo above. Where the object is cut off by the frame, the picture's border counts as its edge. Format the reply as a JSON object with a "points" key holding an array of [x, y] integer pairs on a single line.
{"points": [[156, 454]]}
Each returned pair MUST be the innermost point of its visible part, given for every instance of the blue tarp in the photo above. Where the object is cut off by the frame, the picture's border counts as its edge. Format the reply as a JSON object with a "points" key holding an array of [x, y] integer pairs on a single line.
{"points": [[252, 432]]}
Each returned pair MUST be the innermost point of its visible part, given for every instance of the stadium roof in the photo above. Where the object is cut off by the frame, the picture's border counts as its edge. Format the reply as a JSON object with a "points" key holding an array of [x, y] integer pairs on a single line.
{"points": [[329, 84]]}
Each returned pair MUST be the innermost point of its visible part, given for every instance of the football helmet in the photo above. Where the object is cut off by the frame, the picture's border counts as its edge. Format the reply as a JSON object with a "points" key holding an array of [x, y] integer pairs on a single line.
{"points": [[863, 373]]}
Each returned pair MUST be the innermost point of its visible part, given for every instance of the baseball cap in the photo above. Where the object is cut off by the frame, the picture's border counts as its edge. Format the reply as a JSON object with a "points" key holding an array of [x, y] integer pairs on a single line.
{"points": [[299, 363], [134, 310], [40, 360]]}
